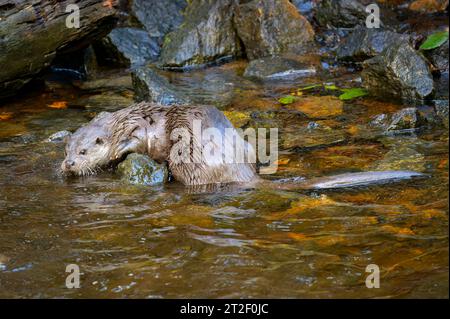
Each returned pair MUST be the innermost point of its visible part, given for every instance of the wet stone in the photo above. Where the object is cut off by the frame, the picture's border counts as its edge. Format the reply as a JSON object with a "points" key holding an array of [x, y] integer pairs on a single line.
{"points": [[116, 83], [206, 36], [340, 13], [318, 106], [311, 136], [364, 43], [139, 169], [408, 118], [270, 27], [150, 86], [108, 101], [399, 71], [276, 68], [159, 17], [129, 47], [403, 154]]}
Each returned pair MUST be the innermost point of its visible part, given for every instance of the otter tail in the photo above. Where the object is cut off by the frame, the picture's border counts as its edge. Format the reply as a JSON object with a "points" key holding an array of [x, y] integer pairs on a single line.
{"points": [[348, 180]]}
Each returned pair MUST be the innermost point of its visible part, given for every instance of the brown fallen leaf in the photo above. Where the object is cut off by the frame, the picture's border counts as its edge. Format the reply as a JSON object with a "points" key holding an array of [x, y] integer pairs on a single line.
{"points": [[282, 161], [298, 236], [58, 105], [4, 116]]}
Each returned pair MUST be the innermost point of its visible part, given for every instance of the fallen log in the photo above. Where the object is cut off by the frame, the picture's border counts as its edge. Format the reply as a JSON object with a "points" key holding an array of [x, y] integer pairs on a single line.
{"points": [[33, 32]]}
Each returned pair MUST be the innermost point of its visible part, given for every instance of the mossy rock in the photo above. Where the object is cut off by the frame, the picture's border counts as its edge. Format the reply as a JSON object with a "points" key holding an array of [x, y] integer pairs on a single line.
{"points": [[141, 170]]}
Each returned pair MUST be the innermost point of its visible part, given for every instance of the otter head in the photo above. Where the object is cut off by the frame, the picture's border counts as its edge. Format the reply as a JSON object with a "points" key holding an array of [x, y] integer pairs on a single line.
{"points": [[88, 149]]}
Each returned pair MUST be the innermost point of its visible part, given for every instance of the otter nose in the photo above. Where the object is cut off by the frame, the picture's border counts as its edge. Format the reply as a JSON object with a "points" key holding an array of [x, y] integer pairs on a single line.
{"points": [[69, 164]]}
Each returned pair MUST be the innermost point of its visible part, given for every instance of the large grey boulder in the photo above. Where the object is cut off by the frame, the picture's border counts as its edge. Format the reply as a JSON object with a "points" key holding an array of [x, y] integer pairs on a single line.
{"points": [[364, 43], [270, 27], [399, 71], [32, 33], [129, 47], [206, 36], [159, 17], [340, 13]]}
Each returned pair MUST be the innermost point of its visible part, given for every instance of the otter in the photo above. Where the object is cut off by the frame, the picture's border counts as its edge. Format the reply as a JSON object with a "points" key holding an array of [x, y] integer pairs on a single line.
{"points": [[157, 131], [149, 128]]}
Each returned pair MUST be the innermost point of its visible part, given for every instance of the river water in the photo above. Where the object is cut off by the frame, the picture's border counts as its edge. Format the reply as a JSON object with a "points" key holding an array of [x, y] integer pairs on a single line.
{"points": [[163, 242]]}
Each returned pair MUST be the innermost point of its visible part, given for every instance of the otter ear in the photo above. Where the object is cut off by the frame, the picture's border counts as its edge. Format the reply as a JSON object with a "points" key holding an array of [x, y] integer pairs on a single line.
{"points": [[99, 141]]}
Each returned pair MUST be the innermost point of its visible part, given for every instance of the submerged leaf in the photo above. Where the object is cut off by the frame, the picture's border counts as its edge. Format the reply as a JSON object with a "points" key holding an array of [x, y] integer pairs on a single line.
{"points": [[5, 116], [288, 99], [331, 87], [310, 87], [435, 40], [350, 94]]}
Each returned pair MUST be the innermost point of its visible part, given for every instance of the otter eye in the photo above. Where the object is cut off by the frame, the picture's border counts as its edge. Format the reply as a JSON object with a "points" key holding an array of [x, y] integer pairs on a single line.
{"points": [[83, 152], [99, 141]]}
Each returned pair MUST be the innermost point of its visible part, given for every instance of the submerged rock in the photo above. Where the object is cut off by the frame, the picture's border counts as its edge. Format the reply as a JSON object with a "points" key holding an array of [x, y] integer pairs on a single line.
{"points": [[340, 13], [269, 27], [311, 136], [408, 118], [399, 71], [403, 154], [238, 119], [141, 170], [152, 87], [318, 106], [159, 17], [128, 47], [275, 68], [109, 101], [109, 83], [31, 35], [207, 35], [364, 43], [404, 120]]}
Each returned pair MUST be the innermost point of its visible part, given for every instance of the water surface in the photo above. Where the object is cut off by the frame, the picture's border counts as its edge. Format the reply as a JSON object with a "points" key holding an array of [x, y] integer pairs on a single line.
{"points": [[162, 242]]}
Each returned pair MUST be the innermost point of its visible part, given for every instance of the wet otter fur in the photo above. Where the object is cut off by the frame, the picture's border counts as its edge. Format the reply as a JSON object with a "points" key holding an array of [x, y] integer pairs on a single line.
{"points": [[148, 128]]}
